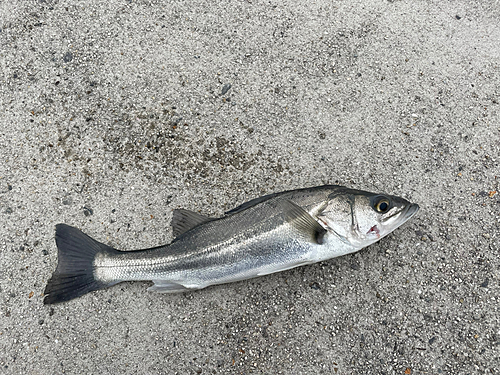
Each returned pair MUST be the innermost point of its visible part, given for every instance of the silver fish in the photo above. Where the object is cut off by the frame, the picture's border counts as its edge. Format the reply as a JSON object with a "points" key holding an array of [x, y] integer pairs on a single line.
{"points": [[265, 235]]}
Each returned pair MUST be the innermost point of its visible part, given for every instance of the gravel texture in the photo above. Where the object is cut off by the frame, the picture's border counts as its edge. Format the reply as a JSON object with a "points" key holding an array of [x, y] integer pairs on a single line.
{"points": [[114, 113]]}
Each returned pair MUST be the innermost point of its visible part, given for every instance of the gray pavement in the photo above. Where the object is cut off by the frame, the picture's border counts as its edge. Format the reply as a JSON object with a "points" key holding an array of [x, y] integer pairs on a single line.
{"points": [[113, 113]]}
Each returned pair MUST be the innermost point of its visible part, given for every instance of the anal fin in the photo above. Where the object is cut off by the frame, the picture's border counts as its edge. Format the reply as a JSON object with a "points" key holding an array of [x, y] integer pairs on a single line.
{"points": [[166, 286]]}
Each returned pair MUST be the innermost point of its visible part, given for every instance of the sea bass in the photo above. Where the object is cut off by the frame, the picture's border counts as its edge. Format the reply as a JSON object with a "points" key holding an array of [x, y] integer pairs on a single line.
{"points": [[269, 234]]}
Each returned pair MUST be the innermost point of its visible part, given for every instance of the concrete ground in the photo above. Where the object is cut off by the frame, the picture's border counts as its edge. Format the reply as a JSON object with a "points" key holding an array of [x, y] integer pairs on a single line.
{"points": [[113, 113]]}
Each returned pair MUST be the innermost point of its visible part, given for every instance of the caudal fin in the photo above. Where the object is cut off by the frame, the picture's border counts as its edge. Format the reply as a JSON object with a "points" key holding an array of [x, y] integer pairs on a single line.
{"points": [[74, 275]]}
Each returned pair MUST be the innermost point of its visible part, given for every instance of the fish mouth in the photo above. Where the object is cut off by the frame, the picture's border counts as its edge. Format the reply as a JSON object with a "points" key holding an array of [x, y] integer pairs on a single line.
{"points": [[411, 210], [407, 214], [397, 220], [402, 216]]}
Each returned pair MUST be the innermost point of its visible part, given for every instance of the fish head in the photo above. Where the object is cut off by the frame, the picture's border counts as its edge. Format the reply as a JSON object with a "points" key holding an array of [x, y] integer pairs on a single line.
{"points": [[362, 218]]}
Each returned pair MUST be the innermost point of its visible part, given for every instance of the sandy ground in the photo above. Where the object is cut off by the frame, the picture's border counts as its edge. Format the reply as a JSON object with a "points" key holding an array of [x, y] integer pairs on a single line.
{"points": [[114, 113]]}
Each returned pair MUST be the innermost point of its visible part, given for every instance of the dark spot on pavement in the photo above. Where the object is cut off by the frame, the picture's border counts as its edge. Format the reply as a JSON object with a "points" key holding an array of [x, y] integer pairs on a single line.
{"points": [[68, 56]]}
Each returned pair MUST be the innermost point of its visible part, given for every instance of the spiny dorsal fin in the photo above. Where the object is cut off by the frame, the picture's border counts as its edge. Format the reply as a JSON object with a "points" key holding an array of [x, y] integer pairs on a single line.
{"points": [[184, 220], [251, 203], [302, 221]]}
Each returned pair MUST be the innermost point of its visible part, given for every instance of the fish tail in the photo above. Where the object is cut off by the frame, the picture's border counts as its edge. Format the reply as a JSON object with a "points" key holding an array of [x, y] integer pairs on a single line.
{"points": [[74, 275]]}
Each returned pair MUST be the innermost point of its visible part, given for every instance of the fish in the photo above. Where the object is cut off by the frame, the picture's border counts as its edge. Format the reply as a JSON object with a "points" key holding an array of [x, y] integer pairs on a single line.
{"points": [[269, 234]]}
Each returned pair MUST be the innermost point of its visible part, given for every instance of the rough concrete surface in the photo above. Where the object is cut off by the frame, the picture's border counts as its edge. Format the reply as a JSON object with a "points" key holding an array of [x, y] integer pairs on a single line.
{"points": [[113, 113]]}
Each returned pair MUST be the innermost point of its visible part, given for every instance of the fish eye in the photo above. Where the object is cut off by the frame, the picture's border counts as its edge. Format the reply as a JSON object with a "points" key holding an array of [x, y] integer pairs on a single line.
{"points": [[382, 205]]}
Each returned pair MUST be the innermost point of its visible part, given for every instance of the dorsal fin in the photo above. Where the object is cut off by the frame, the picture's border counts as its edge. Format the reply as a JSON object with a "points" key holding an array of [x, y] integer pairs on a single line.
{"points": [[184, 220], [302, 221], [251, 203]]}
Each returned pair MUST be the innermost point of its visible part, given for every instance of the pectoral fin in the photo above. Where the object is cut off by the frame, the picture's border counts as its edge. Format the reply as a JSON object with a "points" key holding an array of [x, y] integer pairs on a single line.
{"points": [[303, 221]]}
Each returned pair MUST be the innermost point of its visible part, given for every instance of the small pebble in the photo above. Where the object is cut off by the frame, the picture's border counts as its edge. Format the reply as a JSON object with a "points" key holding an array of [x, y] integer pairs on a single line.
{"points": [[226, 88], [87, 211], [315, 286]]}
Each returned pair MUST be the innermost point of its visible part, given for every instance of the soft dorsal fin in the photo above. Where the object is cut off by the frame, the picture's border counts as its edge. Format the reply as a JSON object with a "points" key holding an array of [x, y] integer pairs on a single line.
{"points": [[302, 221], [184, 220]]}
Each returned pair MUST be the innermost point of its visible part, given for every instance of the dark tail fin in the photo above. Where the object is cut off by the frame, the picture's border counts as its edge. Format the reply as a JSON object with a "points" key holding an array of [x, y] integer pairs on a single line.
{"points": [[74, 275]]}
